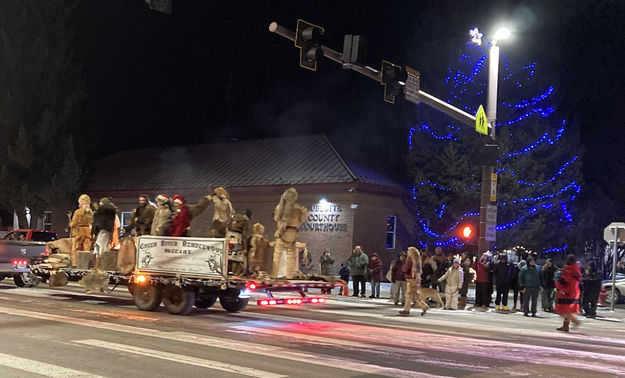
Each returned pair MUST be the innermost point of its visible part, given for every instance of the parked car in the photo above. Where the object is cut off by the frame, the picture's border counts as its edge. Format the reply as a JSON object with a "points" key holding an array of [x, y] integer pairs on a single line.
{"points": [[619, 288], [30, 235]]}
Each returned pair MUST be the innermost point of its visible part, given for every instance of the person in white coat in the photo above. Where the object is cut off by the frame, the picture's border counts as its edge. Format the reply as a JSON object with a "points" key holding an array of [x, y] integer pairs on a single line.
{"points": [[453, 278]]}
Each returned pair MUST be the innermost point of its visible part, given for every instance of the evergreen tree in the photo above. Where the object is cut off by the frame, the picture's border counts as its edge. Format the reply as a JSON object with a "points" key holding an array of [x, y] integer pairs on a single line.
{"points": [[41, 89], [538, 166]]}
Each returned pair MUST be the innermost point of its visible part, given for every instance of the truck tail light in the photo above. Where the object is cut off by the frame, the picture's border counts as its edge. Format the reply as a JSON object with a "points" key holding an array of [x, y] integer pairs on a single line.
{"points": [[140, 279]]}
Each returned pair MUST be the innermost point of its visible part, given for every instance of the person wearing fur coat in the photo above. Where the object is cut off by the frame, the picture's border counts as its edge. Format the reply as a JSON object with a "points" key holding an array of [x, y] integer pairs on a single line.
{"points": [[412, 274], [454, 277], [162, 216]]}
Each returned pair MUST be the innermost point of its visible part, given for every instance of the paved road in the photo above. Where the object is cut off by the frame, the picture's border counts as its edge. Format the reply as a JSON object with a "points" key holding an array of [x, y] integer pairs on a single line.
{"points": [[66, 333]]}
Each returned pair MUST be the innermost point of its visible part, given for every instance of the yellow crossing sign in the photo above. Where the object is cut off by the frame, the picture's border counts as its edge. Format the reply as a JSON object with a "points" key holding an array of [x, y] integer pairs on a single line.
{"points": [[481, 123]]}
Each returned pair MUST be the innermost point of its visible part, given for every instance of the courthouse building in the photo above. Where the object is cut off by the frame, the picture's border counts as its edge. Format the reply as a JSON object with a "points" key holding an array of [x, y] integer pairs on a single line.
{"points": [[347, 204]]}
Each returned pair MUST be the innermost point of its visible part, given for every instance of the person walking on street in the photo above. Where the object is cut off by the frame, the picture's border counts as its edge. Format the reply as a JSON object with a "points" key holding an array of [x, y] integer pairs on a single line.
{"points": [[503, 272], [481, 267], [465, 264], [344, 273], [358, 262], [412, 274], [547, 276], [398, 280], [567, 304], [375, 275], [453, 278], [591, 284], [529, 279]]}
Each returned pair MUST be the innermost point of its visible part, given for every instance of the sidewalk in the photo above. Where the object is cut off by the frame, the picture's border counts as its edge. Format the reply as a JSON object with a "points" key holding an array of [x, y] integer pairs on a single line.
{"points": [[385, 290]]}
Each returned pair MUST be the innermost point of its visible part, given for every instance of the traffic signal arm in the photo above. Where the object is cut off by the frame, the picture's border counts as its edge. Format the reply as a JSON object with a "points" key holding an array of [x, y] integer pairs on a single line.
{"points": [[372, 73]]}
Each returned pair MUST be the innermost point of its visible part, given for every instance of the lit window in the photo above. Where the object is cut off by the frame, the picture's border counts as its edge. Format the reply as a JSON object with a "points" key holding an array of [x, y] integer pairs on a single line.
{"points": [[126, 218], [391, 227]]}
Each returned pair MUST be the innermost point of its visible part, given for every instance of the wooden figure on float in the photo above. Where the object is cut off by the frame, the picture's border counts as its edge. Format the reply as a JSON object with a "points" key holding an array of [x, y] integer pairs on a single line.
{"points": [[259, 257], [288, 216], [223, 213], [80, 226]]}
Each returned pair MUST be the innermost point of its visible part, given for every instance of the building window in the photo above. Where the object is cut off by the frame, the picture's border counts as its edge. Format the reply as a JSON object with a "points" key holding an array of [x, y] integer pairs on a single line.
{"points": [[126, 218], [391, 227], [47, 221]]}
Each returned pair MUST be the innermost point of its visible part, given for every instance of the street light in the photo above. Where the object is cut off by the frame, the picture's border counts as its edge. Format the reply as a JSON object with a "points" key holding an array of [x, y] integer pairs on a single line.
{"points": [[491, 116]]}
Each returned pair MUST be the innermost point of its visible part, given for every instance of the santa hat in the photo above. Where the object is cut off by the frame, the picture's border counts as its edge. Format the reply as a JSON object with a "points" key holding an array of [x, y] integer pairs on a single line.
{"points": [[179, 199], [162, 198]]}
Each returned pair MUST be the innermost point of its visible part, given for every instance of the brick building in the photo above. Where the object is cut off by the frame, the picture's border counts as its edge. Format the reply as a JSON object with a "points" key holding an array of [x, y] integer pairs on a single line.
{"points": [[347, 204]]}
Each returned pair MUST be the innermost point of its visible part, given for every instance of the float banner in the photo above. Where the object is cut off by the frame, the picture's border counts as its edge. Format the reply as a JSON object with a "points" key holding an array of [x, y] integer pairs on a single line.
{"points": [[201, 257]]}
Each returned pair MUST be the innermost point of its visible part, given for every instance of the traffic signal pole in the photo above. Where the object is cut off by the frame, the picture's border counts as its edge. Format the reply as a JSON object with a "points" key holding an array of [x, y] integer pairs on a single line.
{"points": [[372, 73]]}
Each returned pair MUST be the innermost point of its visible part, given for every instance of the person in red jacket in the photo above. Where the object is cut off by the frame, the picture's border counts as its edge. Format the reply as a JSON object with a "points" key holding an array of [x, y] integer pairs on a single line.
{"points": [[375, 275], [567, 296], [182, 217], [412, 274], [482, 269]]}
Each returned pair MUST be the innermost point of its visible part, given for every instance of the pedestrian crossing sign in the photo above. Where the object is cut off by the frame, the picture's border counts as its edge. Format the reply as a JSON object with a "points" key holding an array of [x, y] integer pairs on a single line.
{"points": [[481, 124]]}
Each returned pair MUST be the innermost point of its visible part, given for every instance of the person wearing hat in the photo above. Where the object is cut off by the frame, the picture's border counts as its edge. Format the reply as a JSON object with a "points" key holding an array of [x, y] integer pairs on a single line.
{"points": [[181, 219], [567, 303], [503, 272], [162, 216], [398, 280], [453, 278], [529, 279], [103, 225]]}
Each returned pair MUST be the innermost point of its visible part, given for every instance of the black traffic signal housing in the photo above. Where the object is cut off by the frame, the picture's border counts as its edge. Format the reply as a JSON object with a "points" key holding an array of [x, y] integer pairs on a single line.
{"points": [[390, 75], [308, 40]]}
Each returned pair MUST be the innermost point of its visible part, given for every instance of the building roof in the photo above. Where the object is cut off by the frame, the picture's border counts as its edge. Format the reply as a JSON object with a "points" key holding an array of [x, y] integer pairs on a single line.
{"points": [[295, 160]]}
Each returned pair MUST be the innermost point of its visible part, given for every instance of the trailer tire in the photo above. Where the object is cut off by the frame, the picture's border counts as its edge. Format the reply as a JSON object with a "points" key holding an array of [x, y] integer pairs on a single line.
{"points": [[131, 288], [177, 300], [205, 301], [233, 303], [147, 297], [26, 280]]}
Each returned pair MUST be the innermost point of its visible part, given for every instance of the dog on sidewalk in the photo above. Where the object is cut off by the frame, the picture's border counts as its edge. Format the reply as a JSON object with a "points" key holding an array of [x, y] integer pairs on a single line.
{"points": [[428, 294]]}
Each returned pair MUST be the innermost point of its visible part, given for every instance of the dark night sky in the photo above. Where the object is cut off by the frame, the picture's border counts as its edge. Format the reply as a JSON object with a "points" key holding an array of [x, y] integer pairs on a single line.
{"points": [[211, 71]]}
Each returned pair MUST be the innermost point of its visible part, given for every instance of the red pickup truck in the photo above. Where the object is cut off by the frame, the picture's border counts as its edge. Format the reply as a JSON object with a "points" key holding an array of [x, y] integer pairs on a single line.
{"points": [[30, 235]]}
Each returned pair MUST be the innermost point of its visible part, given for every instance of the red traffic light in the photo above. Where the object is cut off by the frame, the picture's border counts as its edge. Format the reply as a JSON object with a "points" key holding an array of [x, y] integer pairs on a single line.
{"points": [[467, 231]]}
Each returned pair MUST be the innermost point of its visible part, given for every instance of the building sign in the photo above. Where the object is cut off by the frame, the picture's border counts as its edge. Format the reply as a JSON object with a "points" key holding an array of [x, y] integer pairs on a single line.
{"points": [[324, 216], [193, 256]]}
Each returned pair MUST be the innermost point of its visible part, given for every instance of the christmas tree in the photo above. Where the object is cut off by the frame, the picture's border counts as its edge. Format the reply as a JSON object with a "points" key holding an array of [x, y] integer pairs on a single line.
{"points": [[538, 165]]}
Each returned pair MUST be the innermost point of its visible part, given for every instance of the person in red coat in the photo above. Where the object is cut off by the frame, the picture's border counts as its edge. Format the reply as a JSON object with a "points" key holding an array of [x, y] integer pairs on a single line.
{"points": [[567, 296], [182, 217], [375, 274]]}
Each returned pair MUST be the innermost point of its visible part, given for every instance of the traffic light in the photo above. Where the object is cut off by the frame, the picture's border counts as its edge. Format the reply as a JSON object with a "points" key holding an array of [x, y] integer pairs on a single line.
{"points": [[468, 233], [390, 74], [308, 40]]}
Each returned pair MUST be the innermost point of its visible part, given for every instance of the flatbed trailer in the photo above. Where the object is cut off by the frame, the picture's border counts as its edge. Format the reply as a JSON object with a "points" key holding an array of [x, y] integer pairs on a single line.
{"points": [[183, 273]]}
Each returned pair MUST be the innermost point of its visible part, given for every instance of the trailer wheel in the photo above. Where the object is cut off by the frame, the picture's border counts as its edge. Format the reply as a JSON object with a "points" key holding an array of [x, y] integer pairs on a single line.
{"points": [[205, 301], [233, 303], [177, 300], [26, 280], [131, 288], [147, 297]]}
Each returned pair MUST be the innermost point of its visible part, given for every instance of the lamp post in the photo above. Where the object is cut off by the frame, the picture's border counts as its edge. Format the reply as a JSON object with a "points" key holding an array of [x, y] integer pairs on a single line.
{"points": [[491, 116]]}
